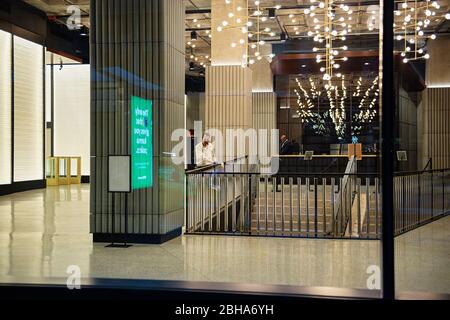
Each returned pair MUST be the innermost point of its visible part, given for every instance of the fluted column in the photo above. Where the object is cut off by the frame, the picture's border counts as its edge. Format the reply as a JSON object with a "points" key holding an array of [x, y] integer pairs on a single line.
{"points": [[137, 49], [434, 131], [228, 91], [434, 109], [264, 103]]}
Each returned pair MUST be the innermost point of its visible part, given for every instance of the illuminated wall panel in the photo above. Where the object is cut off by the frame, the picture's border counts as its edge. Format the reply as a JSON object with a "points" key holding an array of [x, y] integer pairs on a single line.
{"points": [[5, 107], [28, 110], [72, 113]]}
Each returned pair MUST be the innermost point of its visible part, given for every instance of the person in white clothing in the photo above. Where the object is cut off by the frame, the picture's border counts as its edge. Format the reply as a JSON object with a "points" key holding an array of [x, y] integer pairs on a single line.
{"points": [[205, 152]]}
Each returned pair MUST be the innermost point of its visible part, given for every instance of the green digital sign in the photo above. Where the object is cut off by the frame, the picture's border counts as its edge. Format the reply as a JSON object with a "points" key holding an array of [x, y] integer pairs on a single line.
{"points": [[141, 143]]}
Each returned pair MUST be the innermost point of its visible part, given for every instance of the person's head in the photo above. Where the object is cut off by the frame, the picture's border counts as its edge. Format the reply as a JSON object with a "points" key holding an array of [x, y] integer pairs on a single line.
{"points": [[206, 139], [283, 138]]}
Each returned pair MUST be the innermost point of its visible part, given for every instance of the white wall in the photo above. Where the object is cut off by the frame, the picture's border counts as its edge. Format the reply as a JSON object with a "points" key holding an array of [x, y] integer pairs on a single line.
{"points": [[5, 107], [72, 113], [28, 111]]}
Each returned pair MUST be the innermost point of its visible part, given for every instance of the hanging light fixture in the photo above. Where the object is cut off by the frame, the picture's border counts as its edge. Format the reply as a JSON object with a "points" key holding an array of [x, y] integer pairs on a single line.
{"points": [[250, 23], [310, 97], [367, 110], [330, 30], [304, 100], [337, 96], [416, 18]]}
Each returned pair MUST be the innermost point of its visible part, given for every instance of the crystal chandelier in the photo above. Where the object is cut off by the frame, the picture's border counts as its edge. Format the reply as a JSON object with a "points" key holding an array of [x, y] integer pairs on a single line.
{"points": [[331, 26], [416, 17], [250, 23]]}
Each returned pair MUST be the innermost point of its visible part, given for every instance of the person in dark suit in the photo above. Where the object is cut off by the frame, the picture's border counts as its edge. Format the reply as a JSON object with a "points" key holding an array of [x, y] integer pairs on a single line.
{"points": [[285, 149], [295, 147], [286, 146]]}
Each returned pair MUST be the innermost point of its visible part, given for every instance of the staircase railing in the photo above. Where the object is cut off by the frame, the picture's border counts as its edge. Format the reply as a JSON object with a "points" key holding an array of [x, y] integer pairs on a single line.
{"points": [[429, 165], [343, 208], [420, 197], [221, 201], [237, 199]]}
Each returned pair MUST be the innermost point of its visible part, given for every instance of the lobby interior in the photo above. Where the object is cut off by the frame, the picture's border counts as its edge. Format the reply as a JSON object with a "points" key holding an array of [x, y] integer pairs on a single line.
{"points": [[311, 70]]}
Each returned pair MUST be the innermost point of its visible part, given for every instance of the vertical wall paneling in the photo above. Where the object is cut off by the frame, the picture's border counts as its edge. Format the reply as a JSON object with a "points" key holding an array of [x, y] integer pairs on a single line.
{"points": [[5, 108], [48, 110], [137, 49], [435, 129], [406, 123], [228, 100], [28, 110], [264, 116], [434, 111]]}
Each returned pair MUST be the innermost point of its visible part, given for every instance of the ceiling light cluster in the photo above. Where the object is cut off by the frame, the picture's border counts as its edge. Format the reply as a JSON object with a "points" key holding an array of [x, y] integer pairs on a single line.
{"points": [[201, 60], [249, 22], [305, 105], [367, 108], [416, 18], [358, 87], [321, 102], [337, 105], [197, 60], [331, 27], [336, 95], [367, 104]]}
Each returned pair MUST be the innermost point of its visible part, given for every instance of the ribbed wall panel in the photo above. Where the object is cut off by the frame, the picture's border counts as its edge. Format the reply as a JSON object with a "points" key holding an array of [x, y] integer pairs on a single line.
{"points": [[28, 110], [137, 49], [228, 102], [264, 116], [5, 108], [436, 128]]}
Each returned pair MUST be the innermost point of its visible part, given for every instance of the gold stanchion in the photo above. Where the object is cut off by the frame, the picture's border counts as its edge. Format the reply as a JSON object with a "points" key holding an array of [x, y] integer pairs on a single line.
{"points": [[52, 171], [76, 179], [58, 171], [64, 171]]}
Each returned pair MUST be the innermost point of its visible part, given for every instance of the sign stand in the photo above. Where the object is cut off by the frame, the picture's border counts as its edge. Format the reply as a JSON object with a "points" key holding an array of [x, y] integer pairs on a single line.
{"points": [[119, 181], [402, 156]]}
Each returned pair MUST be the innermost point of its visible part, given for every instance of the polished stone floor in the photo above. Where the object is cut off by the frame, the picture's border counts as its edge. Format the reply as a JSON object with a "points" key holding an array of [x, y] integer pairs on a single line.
{"points": [[42, 232]]}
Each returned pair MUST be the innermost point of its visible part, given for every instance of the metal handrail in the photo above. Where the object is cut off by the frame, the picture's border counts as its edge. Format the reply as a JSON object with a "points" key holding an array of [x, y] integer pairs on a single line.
{"points": [[330, 165], [420, 197], [212, 166], [340, 217], [294, 174], [328, 174], [408, 173], [250, 202], [429, 163], [324, 156]]}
